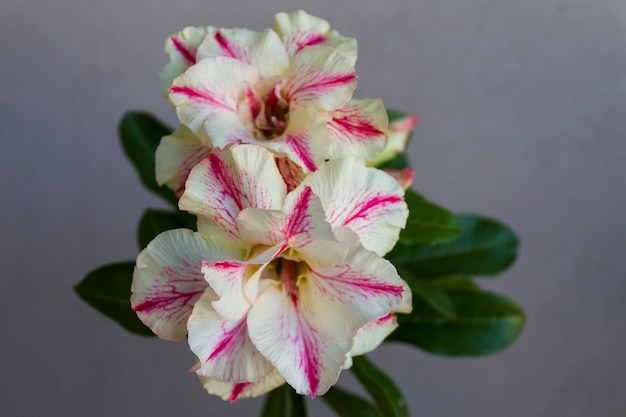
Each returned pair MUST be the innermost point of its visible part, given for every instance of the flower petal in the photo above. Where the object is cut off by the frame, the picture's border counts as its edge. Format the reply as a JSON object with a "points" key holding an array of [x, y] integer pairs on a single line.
{"points": [[292, 173], [397, 139], [308, 361], [299, 30], [321, 76], [370, 336], [404, 177], [222, 346], [366, 200], [182, 48], [212, 85], [364, 287], [231, 180], [265, 51], [227, 278], [358, 129], [176, 155], [234, 391], [168, 280]]}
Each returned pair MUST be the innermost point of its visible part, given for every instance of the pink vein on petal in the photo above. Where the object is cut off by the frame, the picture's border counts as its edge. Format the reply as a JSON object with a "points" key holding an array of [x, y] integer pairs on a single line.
{"points": [[224, 45], [355, 126], [307, 39], [226, 344], [365, 284], [228, 187], [237, 390], [297, 145], [309, 352], [198, 96], [186, 53], [376, 202], [299, 221]]}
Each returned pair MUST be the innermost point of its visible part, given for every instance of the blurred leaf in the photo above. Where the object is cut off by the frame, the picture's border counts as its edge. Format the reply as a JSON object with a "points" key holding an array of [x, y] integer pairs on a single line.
{"points": [[384, 392], [140, 134], [394, 115], [284, 402], [436, 297], [428, 223], [107, 289], [454, 282], [154, 222], [485, 323], [485, 247], [346, 404]]}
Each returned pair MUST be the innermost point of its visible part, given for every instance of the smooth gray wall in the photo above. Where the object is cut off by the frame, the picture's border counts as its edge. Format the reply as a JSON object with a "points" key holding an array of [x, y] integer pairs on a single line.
{"points": [[523, 118]]}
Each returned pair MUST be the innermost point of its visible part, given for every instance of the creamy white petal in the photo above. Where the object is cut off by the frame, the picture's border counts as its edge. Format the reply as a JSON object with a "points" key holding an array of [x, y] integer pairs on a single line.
{"points": [[222, 346], [168, 279], [233, 391], [366, 200], [397, 139], [370, 336], [176, 155], [231, 180], [308, 361]]}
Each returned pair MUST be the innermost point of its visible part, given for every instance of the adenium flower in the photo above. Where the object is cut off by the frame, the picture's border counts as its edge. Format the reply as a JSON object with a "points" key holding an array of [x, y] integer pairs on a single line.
{"points": [[397, 139], [287, 89], [276, 285]]}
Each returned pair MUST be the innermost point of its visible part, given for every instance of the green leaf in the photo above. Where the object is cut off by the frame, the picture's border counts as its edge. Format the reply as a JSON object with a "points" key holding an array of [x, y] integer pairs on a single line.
{"points": [[154, 222], [485, 247], [399, 161], [435, 297], [485, 323], [107, 289], [284, 402], [140, 134], [384, 392], [428, 223], [454, 282], [347, 404]]}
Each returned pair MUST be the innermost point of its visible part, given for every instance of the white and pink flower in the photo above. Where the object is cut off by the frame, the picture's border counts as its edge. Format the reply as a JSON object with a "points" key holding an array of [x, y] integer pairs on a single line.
{"points": [[281, 282]]}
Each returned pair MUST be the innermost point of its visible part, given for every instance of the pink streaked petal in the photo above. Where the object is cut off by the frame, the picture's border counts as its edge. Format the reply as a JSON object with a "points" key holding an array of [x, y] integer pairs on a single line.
{"points": [[233, 391], [358, 129], [404, 177], [176, 155], [308, 361], [299, 30], [370, 336], [265, 51], [319, 75], [226, 128], [168, 279], [307, 231], [222, 346], [397, 139], [361, 289], [261, 226], [227, 278], [366, 200], [212, 85], [231, 180], [292, 173], [182, 48]]}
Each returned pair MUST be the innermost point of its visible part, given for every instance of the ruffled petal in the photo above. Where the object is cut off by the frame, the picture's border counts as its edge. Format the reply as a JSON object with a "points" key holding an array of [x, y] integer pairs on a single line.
{"points": [[397, 139], [358, 129], [222, 346], [233, 391], [231, 180], [168, 279], [176, 155], [362, 288], [292, 173], [212, 85], [182, 48], [404, 177], [308, 361], [366, 200], [227, 278], [299, 30], [319, 75], [265, 51], [370, 336]]}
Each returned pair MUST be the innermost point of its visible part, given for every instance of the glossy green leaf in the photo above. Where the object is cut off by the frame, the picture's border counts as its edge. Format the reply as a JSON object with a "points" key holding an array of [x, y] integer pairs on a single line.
{"points": [[485, 323], [454, 282], [284, 402], [154, 222], [140, 134], [387, 396], [434, 296], [107, 289], [346, 404], [428, 223], [485, 247]]}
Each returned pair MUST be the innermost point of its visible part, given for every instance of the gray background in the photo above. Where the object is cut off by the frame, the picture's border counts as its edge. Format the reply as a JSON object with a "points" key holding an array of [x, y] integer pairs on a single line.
{"points": [[523, 118]]}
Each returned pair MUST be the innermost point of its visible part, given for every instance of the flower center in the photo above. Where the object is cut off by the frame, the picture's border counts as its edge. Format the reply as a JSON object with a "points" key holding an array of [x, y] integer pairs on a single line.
{"points": [[288, 273], [271, 120]]}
